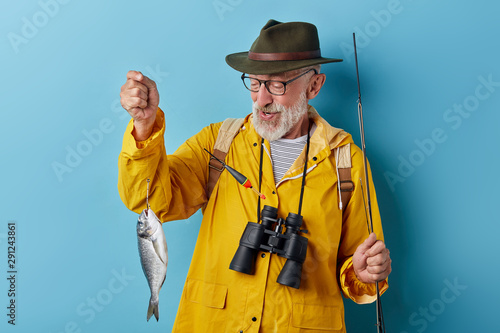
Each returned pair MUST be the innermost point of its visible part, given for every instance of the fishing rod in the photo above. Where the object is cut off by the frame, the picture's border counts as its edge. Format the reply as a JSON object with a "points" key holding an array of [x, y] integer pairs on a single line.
{"points": [[380, 316]]}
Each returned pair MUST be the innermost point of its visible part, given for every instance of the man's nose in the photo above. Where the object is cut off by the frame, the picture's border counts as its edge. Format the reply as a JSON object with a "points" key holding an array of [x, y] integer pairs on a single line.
{"points": [[264, 97]]}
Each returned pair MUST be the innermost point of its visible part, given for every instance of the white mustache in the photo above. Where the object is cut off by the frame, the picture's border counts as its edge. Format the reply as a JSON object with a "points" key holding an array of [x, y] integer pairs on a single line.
{"points": [[269, 109]]}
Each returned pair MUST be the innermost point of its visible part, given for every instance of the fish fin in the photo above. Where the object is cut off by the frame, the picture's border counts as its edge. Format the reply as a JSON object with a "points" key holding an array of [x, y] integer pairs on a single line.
{"points": [[162, 282], [163, 255], [153, 309]]}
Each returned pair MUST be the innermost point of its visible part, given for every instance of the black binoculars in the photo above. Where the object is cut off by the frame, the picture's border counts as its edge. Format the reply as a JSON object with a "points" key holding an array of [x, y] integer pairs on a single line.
{"points": [[289, 245]]}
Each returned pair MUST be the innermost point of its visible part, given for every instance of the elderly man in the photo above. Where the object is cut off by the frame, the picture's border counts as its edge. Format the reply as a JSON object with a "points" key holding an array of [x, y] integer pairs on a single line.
{"points": [[291, 155]]}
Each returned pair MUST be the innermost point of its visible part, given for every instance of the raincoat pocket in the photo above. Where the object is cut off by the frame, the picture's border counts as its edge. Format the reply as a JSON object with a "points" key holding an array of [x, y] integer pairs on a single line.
{"points": [[317, 317], [205, 293]]}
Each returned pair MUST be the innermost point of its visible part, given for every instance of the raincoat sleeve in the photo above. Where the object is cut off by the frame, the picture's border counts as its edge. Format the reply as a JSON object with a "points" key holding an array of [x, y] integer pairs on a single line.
{"points": [[177, 182], [355, 231]]}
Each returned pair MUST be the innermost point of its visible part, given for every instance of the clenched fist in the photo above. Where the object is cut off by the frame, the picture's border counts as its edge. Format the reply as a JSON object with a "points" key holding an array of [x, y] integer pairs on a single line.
{"points": [[372, 260], [140, 98]]}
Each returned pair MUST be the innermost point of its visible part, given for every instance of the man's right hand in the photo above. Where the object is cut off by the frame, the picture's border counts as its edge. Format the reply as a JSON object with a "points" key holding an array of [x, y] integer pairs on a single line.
{"points": [[140, 98]]}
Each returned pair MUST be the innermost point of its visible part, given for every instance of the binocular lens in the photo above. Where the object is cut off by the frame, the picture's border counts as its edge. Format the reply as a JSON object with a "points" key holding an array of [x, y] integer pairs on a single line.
{"points": [[291, 274], [243, 260], [269, 212], [293, 221]]}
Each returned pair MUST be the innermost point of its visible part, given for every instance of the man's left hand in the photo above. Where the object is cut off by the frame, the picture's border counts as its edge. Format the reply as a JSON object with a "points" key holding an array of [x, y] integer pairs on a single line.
{"points": [[372, 261]]}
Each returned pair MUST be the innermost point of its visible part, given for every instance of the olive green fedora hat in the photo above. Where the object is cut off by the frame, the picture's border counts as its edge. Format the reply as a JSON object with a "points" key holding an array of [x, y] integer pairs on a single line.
{"points": [[281, 47]]}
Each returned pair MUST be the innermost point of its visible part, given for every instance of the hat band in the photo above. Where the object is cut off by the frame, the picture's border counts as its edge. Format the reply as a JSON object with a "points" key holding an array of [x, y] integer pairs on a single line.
{"points": [[304, 55]]}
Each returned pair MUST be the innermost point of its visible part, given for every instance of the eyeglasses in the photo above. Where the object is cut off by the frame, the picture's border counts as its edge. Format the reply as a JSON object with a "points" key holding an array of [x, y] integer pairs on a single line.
{"points": [[274, 87]]}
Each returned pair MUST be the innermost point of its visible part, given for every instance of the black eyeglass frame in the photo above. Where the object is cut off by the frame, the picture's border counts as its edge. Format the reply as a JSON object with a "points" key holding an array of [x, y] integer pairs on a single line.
{"points": [[266, 82]]}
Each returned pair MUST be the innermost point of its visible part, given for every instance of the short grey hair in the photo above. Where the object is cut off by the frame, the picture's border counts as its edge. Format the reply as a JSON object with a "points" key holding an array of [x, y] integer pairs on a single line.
{"points": [[295, 72]]}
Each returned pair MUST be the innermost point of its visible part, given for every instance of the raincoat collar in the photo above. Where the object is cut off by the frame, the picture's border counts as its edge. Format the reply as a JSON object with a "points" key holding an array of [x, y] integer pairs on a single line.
{"points": [[323, 141], [324, 136]]}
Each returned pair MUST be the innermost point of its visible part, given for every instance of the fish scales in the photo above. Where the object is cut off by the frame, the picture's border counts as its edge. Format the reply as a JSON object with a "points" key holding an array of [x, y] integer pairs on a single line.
{"points": [[154, 256]]}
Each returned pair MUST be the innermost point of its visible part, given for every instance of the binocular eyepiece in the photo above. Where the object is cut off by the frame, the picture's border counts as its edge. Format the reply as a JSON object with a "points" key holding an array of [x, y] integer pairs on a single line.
{"points": [[289, 245]]}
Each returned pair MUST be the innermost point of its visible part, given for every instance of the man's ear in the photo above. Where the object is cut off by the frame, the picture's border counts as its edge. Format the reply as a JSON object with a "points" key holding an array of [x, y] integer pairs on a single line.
{"points": [[315, 85]]}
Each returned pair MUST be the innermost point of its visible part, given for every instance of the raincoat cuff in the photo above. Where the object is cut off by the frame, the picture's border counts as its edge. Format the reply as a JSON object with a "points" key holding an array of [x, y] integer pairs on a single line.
{"points": [[353, 288], [133, 147]]}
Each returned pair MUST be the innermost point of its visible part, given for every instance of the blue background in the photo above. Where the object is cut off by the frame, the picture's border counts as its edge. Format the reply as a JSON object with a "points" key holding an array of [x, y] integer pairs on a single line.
{"points": [[435, 169]]}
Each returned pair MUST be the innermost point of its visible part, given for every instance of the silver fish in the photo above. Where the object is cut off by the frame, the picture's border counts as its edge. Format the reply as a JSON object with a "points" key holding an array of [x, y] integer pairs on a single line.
{"points": [[154, 256]]}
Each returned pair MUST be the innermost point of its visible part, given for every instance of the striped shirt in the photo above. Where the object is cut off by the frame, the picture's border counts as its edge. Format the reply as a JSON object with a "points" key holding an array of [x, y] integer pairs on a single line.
{"points": [[284, 152]]}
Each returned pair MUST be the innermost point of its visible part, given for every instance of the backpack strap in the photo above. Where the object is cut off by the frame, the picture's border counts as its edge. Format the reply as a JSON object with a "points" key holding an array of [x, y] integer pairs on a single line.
{"points": [[345, 185], [228, 130]]}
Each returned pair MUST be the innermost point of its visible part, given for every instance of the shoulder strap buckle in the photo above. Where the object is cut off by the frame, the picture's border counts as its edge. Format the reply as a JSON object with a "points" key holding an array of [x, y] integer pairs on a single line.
{"points": [[214, 164], [348, 188]]}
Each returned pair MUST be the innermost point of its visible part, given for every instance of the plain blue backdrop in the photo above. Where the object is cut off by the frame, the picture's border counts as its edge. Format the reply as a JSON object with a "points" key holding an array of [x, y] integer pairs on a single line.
{"points": [[430, 81]]}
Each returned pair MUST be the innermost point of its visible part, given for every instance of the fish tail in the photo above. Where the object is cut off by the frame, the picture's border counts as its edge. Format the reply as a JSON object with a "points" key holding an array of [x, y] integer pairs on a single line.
{"points": [[153, 309]]}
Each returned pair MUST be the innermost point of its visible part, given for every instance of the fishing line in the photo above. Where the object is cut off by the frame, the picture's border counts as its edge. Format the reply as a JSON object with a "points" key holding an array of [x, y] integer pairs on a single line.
{"points": [[147, 196], [364, 205]]}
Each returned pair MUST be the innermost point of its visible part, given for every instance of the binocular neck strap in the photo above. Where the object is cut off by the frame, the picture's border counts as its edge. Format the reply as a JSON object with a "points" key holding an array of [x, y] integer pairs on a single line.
{"points": [[303, 175], [305, 170], [260, 177]]}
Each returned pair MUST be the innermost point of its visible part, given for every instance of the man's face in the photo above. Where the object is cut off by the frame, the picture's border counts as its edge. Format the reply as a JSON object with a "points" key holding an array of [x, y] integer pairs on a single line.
{"points": [[276, 116]]}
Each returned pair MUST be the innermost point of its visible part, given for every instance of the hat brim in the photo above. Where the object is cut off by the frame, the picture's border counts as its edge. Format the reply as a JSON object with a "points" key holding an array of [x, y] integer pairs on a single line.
{"points": [[241, 63]]}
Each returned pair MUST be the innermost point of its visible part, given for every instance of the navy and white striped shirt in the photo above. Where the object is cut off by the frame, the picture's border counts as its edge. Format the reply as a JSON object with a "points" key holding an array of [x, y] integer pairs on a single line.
{"points": [[284, 152]]}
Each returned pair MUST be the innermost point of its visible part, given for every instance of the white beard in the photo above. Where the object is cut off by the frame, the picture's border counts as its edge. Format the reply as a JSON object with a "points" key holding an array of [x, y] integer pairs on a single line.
{"points": [[283, 122]]}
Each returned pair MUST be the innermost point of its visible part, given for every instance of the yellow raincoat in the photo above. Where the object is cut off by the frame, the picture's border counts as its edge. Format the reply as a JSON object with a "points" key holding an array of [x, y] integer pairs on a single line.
{"points": [[217, 299]]}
